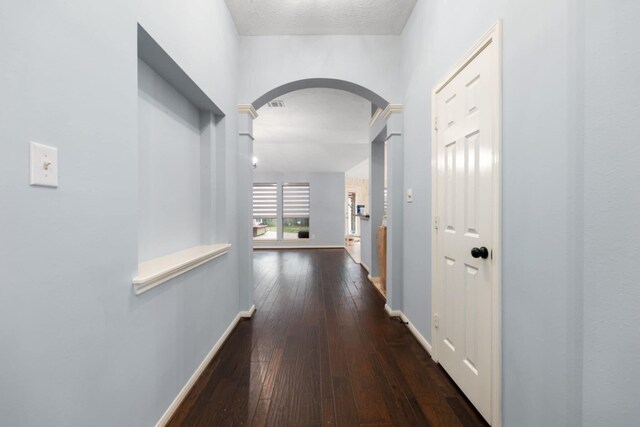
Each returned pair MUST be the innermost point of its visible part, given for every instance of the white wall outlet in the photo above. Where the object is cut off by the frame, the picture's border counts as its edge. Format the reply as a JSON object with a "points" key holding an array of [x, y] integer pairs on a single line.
{"points": [[409, 195], [44, 165]]}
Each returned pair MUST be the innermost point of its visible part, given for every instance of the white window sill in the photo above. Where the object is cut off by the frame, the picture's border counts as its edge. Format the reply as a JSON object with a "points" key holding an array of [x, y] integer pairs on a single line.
{"points": [[159, 270]]}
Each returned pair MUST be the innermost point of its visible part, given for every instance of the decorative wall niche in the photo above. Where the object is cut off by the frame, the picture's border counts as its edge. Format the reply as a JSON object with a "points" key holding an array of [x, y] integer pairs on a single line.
{"points": [[181, 170]]}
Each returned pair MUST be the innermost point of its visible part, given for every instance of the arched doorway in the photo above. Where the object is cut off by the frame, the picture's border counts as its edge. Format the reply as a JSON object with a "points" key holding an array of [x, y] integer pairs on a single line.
{"points": [[380, 132]]}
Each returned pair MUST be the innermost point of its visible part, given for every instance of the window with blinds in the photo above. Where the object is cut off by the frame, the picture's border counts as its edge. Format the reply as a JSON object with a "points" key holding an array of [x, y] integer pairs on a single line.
{"points": [[295, 200], [265, 201], [265, 211], [295, 211]]}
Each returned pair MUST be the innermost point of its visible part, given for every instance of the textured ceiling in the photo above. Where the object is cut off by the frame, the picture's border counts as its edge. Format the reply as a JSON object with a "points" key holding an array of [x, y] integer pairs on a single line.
{"points": [[317, 130], [293, 17]]}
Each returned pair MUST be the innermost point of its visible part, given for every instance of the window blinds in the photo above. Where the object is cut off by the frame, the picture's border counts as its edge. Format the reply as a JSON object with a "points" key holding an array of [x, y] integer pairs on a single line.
{"points": [[295, 200], [265, 200]]}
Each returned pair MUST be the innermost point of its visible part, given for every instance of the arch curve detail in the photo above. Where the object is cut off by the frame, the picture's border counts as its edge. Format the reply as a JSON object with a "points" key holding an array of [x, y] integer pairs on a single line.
{"points": [[345, 85]]}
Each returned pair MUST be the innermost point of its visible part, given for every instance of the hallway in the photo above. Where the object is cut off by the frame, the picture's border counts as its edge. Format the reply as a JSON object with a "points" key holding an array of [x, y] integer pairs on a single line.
{"points": [[320, 349]]}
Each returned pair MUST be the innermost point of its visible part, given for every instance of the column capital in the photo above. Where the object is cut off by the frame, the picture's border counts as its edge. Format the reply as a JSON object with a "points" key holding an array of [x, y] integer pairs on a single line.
{"points": [[248, 109], [391, 109], [380, 117], [389, 120]]}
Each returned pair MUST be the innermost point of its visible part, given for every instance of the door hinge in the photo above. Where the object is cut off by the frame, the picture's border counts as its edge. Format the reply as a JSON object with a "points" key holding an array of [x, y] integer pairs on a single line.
{"points": [[435, 123], [436, 321], [436, 222]]}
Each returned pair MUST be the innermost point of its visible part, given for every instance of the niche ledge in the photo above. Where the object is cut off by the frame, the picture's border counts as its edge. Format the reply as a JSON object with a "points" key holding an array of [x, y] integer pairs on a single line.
{"points": [[159, 270]]}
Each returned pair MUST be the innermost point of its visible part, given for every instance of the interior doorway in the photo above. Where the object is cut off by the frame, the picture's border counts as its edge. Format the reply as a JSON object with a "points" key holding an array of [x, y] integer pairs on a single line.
{"points": [[466, 219], [273, 157], [356, 195]]}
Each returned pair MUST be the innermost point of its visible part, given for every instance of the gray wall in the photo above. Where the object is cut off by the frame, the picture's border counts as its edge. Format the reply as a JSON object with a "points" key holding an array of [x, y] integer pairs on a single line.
{"points": [[326, 207], [78, 348], [169, 168], [369, 61], [611, 212]]}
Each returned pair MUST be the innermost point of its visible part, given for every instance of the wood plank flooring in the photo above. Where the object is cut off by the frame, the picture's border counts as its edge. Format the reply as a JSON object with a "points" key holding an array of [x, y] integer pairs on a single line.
{"points": [[321, 350]]}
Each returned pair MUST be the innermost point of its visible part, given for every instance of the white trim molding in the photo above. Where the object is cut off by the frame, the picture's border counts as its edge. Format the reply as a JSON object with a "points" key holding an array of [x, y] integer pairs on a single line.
{"points": [[493, 36], [375, 116], [248, 314], [392, 108], [271, 241], [365, 266], [393, 313], [166, 417], [391, 135], [421, 339], [248, 109], [160, 270], [258, 247], [380, 117]]}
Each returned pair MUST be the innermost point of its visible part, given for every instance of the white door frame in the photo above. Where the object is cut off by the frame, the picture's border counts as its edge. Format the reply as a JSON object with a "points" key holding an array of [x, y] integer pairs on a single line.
{"points": [[493, 36]]}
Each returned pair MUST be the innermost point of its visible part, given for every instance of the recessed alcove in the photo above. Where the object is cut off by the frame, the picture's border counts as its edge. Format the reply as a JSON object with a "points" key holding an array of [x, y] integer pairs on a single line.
{"points": [[179, 181]]}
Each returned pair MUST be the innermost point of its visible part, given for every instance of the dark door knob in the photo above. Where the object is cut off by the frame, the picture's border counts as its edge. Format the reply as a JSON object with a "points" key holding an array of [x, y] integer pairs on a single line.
{"points": [[481, 252]]}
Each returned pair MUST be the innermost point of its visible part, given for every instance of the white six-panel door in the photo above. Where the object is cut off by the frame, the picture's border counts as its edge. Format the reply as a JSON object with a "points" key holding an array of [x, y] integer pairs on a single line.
{"points": [[465, 137]]}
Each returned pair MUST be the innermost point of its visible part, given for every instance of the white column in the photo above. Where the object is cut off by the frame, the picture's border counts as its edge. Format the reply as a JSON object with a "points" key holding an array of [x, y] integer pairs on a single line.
{"points": [[376, 200], [246, 115], [395, 204], [387, 127]]}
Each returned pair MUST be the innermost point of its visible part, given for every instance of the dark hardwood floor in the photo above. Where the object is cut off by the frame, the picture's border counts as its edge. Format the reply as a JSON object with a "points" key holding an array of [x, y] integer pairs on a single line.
{"points": [[321, 350]]}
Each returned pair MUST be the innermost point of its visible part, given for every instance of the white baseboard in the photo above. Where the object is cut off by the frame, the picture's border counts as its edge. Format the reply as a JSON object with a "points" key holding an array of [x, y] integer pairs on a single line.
{"points": [[185, 390], [393, 313], [422, 340], [351, 255], [299, 247], [365, 266], [248, 314]]}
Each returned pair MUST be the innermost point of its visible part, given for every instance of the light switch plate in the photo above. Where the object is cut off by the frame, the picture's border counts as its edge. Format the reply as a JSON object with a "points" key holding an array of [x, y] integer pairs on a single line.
{"points": [[409, 195], [44, 165]]}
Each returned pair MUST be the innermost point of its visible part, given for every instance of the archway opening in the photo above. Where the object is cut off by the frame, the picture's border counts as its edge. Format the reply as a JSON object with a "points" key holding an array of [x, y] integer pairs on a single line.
{"points": [[274, 225]]}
